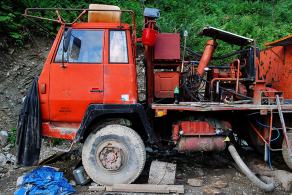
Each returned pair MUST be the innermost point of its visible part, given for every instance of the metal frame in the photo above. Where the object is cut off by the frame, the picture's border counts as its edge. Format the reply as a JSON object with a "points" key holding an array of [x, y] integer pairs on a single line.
{"points": [[28, 13]]}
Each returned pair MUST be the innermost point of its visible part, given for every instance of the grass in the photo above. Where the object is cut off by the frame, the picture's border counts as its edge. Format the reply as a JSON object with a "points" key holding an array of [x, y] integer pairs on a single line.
{"points": [[12, 136]]}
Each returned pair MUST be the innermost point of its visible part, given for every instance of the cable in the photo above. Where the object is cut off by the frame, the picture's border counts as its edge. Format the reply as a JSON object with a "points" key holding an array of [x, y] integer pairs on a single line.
{"points": [[218, 57], [274, 139], [40, 26], [273, 128]]}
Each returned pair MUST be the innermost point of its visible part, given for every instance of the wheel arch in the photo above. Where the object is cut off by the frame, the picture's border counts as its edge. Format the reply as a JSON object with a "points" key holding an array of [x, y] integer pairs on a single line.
{"points": [[100, 115]]}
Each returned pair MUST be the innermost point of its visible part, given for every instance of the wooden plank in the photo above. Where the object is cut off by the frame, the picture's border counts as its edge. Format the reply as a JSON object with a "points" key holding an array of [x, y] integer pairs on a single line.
{"points": [[150, 188], [97, 188], [140, 188]]}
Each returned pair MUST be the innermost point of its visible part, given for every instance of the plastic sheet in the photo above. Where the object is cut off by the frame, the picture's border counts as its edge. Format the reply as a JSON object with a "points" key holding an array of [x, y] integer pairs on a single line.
{"points": [[44, 180], [28, 138]]}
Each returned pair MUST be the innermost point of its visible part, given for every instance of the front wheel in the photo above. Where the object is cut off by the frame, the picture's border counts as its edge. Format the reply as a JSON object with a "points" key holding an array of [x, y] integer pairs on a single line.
{"points": [[114, 154]]}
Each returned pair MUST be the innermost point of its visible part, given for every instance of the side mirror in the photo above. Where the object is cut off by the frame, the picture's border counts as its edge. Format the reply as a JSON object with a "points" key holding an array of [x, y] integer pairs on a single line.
{"points": [[67, 37], [75, 50]]}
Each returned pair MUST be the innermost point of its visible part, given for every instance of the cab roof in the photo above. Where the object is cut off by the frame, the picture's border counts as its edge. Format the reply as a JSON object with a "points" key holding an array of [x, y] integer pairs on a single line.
{"points": [[90, 25]]}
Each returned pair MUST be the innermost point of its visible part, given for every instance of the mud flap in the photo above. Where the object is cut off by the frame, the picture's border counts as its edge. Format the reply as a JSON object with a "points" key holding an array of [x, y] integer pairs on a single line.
{"points": [[28, 138]]}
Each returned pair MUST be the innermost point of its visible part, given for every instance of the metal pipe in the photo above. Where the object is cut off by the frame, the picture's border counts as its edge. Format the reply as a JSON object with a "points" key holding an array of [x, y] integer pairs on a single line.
{"points": [[237, 75], [271, 126], [149, 75], [207, 55], [250, 175], [217, 79], [184, 50]]}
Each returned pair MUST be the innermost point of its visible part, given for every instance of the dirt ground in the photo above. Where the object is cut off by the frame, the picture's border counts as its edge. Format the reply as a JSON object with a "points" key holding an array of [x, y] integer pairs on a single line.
{"points": [[18, 67], [208, 167]]}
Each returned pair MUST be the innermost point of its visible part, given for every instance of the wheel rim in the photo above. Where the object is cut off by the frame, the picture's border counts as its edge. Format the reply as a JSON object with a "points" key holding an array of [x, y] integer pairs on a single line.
{"points": [[111, 155]]}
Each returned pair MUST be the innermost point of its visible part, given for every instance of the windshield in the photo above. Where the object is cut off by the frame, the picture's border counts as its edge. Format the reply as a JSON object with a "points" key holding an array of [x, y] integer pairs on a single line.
{"points": [[90, 45]]}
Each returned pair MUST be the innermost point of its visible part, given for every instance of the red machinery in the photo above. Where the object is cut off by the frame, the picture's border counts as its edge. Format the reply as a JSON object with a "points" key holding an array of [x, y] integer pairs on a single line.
{"points": [[197, 105]]}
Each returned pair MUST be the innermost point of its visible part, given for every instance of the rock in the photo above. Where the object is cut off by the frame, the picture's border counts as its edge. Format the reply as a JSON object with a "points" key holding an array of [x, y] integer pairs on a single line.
{"points": [[3, 137], [285, 179], [10, 158], [6, 148], [19, 180], [211, 191], [220, 184], [72, 182], [2, 159], [10, 51], [199, 172], [162, 173], [195, 182]]}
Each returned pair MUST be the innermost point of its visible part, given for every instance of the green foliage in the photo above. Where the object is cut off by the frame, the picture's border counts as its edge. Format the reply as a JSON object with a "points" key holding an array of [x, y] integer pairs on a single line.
{"points": [[12, 136], [262, 20]]}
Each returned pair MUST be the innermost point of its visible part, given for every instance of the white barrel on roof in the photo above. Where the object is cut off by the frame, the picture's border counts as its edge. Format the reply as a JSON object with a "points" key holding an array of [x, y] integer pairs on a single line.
{"points": [[104, 16]]}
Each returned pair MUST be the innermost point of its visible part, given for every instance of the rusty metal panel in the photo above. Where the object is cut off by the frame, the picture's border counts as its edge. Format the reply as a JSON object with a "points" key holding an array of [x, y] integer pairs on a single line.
{"points": [[167, 46], [165, 83], [197, 128], [276, 68]]}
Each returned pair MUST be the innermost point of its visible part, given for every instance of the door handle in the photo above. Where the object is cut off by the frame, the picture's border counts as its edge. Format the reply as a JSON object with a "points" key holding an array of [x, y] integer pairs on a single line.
{"points": [[97, 90]]}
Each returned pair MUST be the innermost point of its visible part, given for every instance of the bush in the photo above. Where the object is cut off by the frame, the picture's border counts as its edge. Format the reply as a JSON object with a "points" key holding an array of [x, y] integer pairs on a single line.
{"points": [[261, 20]]}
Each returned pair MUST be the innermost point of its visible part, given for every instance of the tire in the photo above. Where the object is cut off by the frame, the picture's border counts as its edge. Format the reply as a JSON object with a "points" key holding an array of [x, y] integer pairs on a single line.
{"points": [[286, 157], [114, 154]]}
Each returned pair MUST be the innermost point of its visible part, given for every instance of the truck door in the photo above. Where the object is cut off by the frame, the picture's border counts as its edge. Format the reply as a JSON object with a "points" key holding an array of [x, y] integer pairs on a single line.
{"points": [[76, 76]]}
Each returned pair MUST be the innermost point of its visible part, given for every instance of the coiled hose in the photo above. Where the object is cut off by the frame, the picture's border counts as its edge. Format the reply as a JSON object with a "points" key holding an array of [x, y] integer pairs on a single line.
{"points": [[250, 175]]}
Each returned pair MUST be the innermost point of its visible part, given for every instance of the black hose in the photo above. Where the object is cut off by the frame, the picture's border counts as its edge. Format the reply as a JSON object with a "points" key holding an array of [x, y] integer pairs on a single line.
{"points": [[250, 175], [228, 55]]}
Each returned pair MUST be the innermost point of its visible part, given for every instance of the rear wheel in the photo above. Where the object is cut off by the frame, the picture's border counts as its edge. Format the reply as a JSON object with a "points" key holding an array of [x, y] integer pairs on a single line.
{"points": [[114, 154], [286, 157]]}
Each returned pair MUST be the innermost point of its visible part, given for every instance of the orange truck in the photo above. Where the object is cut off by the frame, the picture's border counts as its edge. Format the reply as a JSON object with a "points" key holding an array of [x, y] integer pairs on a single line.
{"points": [[87, 92]]}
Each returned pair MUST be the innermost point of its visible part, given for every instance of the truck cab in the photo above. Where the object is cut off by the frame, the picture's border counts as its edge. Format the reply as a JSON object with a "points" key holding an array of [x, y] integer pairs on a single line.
{"points": [[98, 67], [87, 92]]}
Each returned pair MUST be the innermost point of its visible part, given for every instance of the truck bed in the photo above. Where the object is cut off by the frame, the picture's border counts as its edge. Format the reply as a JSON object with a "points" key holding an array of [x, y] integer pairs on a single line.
{"points": [[213, 106]]}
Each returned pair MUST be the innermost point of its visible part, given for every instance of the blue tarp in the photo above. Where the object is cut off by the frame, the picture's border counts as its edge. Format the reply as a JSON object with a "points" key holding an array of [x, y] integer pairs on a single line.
{"points": [[45, 181]]}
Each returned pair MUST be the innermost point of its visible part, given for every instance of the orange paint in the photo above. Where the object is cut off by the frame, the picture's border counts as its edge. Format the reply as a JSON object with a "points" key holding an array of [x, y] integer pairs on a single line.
{"points": [[70, 90], [276, 68], [207, 55]]}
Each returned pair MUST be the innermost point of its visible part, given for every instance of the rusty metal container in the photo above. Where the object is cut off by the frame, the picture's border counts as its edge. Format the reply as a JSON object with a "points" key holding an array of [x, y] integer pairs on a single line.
{"points": [[165, 83], [167, 46], [80, 176], [104, 16], [201, 144]]}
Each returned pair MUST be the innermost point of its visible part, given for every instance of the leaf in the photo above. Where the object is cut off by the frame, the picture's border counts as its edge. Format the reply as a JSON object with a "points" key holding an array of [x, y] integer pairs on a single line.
{"points": [[15, 35], [5, 18]]}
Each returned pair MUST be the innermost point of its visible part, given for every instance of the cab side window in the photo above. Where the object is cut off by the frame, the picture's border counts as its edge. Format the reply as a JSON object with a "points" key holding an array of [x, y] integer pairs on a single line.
{"points": [[90, 47], [118, 47]]}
